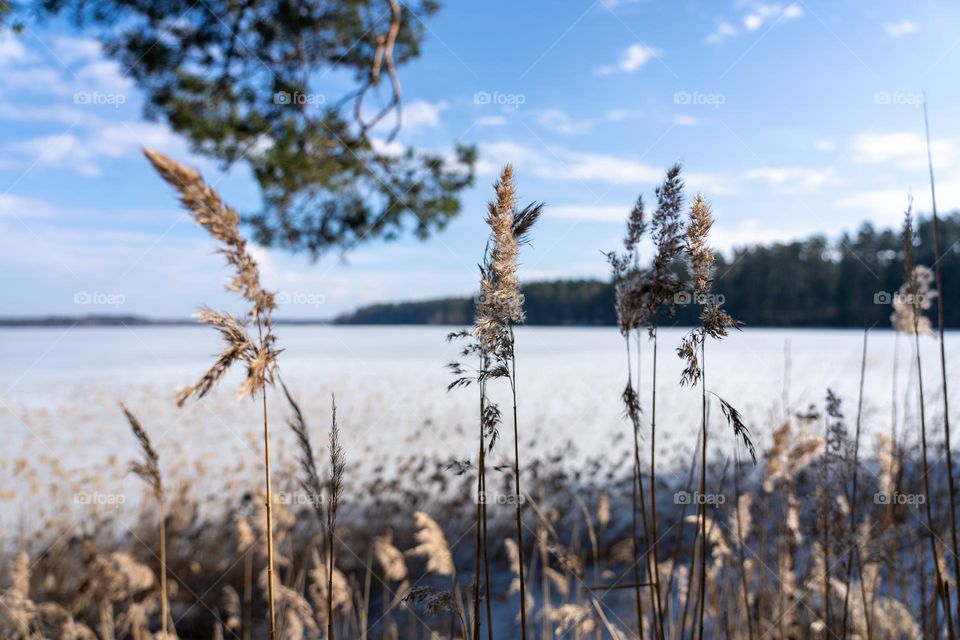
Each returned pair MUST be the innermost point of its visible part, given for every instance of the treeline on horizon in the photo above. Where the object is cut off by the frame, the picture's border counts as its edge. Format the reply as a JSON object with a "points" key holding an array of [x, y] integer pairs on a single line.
{"points": [[813, 282]]}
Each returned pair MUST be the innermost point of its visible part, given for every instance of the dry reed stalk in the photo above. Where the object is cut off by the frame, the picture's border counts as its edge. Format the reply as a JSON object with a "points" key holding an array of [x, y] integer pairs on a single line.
{"points": [[661, 299], [258, 354], [938, 279], [853, 493], [916, 295], [337, 469], [488, 429], [312, 484], [499, 308], [488, 422], [149, 471], [641, 298], [714, 323], [742, 522]]}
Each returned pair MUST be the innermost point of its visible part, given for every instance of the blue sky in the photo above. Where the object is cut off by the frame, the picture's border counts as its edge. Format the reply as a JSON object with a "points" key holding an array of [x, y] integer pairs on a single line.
{"points": [[792, 117]]}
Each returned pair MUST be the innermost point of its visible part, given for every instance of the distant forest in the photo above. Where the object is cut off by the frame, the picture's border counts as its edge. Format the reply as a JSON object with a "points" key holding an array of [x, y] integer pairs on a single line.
{"points": [[815, 282]]}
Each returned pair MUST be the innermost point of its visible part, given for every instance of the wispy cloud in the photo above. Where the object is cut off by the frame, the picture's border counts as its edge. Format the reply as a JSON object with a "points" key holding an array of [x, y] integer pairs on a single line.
{"points": [[558, 163], [757, 15], [900, 28], [687, 121], [903, 149], [82, 152], [559, 122], [589, 213], [632, 59], [824, 145], [490, 121], [794, 179], [420, 114]]}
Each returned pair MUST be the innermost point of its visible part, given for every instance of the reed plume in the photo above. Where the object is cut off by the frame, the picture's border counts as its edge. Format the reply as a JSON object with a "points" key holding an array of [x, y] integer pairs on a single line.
{"points": [[256, 351], [148, 470], [390, 558], [498, 308], [337, 468], [324, 508], [714, 323], [632, 312]]}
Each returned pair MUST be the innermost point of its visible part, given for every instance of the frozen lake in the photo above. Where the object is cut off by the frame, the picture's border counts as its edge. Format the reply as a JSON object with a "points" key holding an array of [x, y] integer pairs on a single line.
{"points": [[60, 389]]}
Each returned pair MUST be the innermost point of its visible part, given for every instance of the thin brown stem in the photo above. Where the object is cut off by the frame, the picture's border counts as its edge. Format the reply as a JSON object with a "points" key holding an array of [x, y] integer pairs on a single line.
{"points": [[938, 275], [653, 486], [266, 467], [703, 483], [516, 478], [741, 553], [479, 541], [486, 559], [639, 500], [164, 599], [853, 491], [941, 590], [266, 463]]}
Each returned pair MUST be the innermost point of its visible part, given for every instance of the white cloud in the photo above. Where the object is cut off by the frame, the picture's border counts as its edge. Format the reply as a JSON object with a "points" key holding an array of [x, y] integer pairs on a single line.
{"points": [[904, 149], [900, 28], [54, 113], [713, 184], [632, 59], [588, 213], [557, 163], [490, 121], [885, 205], [421, 114], [12, 49], [105, 76], [794, 179], [825, 145], [725, 237], [391, 148], [70, 49], [723, 31], [758, 15], [34, 80], [82, 153], [561, 164], [619, 115], [24, 208], [559, 122], [687, 121]]}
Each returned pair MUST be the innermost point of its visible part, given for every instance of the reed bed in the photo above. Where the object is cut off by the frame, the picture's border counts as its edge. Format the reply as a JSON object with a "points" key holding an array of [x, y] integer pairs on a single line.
{"points": [[798, 527]]}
